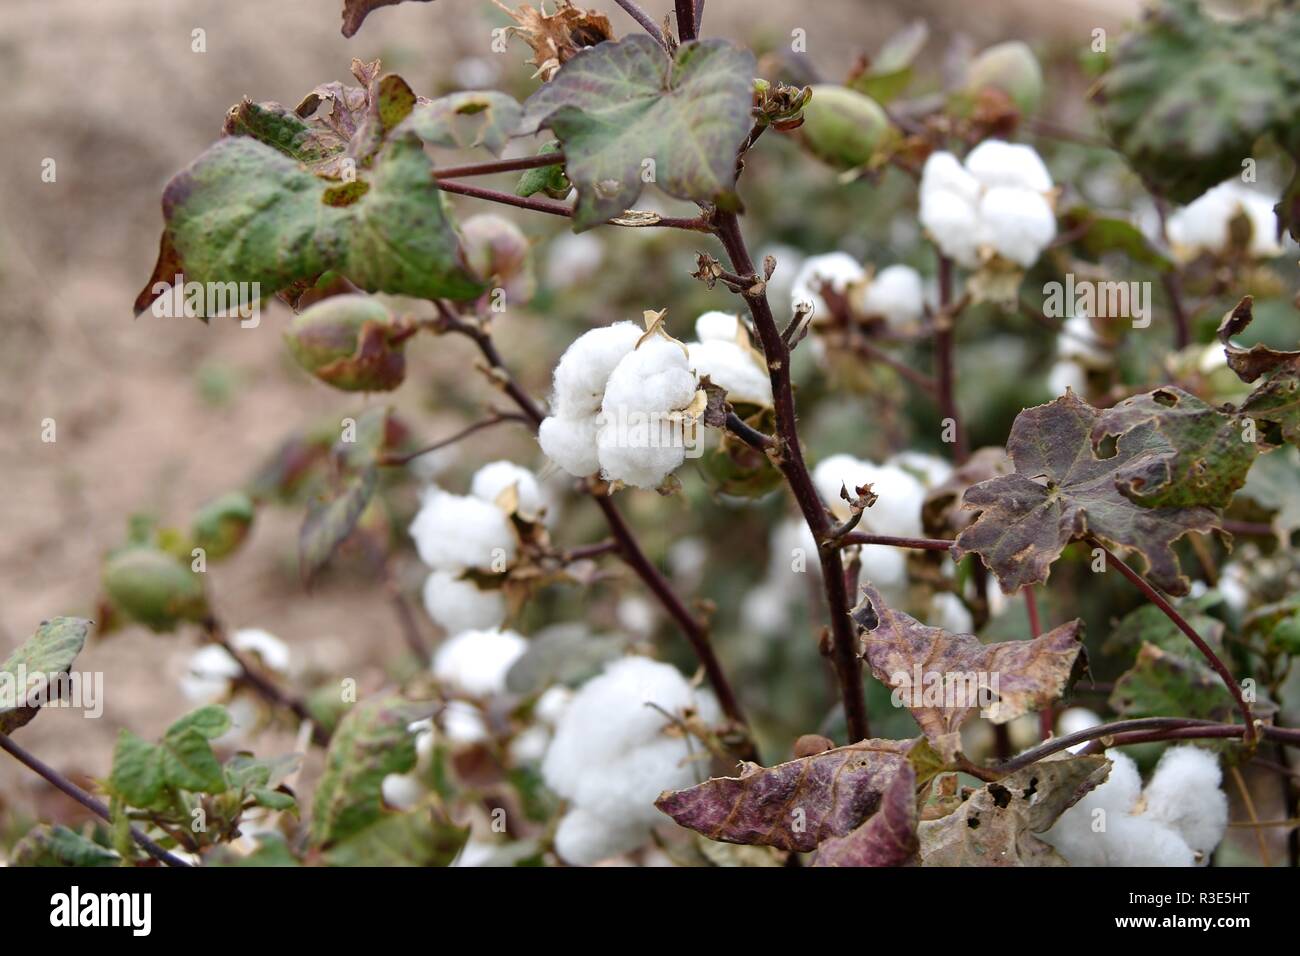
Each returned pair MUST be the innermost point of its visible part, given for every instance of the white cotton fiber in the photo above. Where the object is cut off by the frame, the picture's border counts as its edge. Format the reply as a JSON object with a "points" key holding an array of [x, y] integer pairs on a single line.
{"points": [[931, 470], [732, 367], [490, 481], [838, 270], [996, 163], [453, 532], [583, 838], [270, 650], [1184, 794], [900, 495], [571, 443], [476, 662], [1205, 224], [1017, 224], [456, 604], [894, 293], [585, 367], [208, 675], [724, 326]]}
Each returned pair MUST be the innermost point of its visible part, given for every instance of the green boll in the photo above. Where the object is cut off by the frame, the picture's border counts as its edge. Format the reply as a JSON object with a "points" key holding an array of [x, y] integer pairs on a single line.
{"points": [[842, 127], [1012, 68], [221, 525], [351, 342], [153, 588]]}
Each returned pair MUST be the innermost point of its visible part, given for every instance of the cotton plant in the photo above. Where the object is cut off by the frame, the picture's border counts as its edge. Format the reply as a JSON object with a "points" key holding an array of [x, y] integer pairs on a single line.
{"points": [[1205, 225], [458, 535], [618, 744], [1178, 819], [894, 295]]}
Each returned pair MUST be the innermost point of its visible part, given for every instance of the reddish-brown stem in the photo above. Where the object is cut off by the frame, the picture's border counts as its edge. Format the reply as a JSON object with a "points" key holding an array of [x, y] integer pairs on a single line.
{"points": [[495, 419], [686, 24], [1156, 598], [62, 783], [844, 642], [643, 18], [920, 544], [583, 552], [554, 208], [501, 166], [751, 436], [407, 622], [944, 365], [1249, 529]]}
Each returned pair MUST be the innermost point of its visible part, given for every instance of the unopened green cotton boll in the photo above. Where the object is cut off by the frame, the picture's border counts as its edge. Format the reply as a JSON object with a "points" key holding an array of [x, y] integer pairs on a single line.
{"points": [[843, 128], [497, 250], [153, 588], [221, 525], [351, 342], [1012, 68]]}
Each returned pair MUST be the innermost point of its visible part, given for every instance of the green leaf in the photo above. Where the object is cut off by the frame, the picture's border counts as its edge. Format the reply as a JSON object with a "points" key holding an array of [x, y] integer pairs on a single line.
{"points": [[25, 676], [188, 763], [243, 212], [1148, 624], [371, 742], [465, 120], [1100, 235], [1277, 626], [890, 72], [330, 521], [1203, 463], [617, 105], [209, 722], [415, 838], [272, 850], [1274, 483], [137, 776], [1189, 94], [58, 846], [1061, 490], [548, 179], [314, 144], [1165, 684]]}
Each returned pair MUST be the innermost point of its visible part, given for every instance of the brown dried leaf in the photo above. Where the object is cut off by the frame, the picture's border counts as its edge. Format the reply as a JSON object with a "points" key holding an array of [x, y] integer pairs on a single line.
{"points": [[888, 838], [555, 38], [929, 667], [356, 11]]}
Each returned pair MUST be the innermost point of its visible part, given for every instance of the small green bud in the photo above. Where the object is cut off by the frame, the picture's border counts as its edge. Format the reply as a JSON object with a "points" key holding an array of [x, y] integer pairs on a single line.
{"points": [[1012, 68], [843, 128], [153, 588], [221, 525], [351, 342]]}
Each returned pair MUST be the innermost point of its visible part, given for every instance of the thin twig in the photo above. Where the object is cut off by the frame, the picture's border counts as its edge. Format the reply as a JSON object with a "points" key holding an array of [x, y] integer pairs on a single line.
{"points": [[1156, 598], [919, 544], [751, 436], [407, 621], [945, 374], [501, 166], [495, 418], [554, 208], [686, 29], [643, 18], [59, 781]]}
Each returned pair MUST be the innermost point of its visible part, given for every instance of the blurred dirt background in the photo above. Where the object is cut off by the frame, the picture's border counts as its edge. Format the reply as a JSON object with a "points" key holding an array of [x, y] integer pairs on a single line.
{"points": [[161, 415]]}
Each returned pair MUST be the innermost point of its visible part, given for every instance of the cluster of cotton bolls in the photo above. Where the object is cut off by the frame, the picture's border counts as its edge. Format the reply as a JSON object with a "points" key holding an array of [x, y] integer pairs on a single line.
{"points": [[999, 202], [1177, 820], [895, 293], [614, 752], [1205, 225], [725, 354], [619, 406], [211, 674], [458, 533]]}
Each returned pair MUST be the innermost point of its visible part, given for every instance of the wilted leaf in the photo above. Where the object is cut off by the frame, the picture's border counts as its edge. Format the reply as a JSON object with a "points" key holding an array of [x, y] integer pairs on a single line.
{"points": [[314, 144], [1062, 491], [26, 676], [356, 11], [371, 742], [1168, 684], [555, 38], [795, 805], [888, 838], [1204, 463], [1189, 94], [624, 110], [1275, 400], [995, 826], [466, 119], [419, 837], [58, 846], [944, 678], [329, 522], [245, 213]]}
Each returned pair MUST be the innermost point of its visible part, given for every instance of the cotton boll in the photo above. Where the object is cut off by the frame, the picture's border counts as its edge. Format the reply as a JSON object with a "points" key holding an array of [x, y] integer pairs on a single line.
{"points": [[585, 367], [948, 612], [490, 481], [529, 746], [953, 223], [841, 472], [637, 442], [898, 510], [625, 787], [733, 368], [996, 163], [931, 470], [453, 532], [583, 838], [724, 326], [640, 455], [838, 270], [884, 566], [476, 662], [1066, 375], [1015, 223], [401, 791], [208, 675], [571, 443], [1234, 586], [1078, 340], [552, 704], [895, 293], [1184, 794], [653, 377], [574, 258], [463, 724], [1072, 720], [1137, 841], [273, 652], [456, 605], [1204, 225], [944, 173]]}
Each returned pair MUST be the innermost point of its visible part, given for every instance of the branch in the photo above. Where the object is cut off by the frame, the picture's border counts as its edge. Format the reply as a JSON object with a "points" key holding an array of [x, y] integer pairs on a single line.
{"points": [[554, 208], [643, 18], [58, 780], [686, 28], [1156, 598], [751, 436], [501, 166], [844, 651], [945, 374], [495, 418], [920, 544]]}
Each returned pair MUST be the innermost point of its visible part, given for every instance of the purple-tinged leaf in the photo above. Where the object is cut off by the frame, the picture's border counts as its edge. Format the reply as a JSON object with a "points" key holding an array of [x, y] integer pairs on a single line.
{"points": [[888, 838]]}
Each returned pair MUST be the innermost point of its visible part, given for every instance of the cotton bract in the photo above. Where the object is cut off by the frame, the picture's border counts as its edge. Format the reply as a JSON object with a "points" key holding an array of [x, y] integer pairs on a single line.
{"points": [[1177, 820], [998, 203], [611, 758], [1205, 225]]}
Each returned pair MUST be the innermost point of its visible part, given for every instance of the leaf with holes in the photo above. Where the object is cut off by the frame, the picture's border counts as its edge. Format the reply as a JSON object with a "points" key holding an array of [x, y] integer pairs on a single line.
{"points": [[625, 114], [1061, 490], [944, 678]]}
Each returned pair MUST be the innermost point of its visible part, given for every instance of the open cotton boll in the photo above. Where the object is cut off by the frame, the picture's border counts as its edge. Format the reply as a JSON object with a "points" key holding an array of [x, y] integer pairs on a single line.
{"points": [[953, 223], [583, 838], [943, 172], [998, 163], [401, 791], [841, 472], [931, 470], [733, 368], [273, 652], [1073, 720], [895, 293], [552, 704], [898, 508], [717, 325], [1066, 375], [571, 443], [948, 612], [1184, 794], [838, 270], [641, 454], [1204, 225], [463, 724], [626, 787], [476, 662], [1078, 340], [495, 477], [453, 532], [585, 367], [884, 566], [456, 605], [653, 377], [1016, 223], [208, 675]]}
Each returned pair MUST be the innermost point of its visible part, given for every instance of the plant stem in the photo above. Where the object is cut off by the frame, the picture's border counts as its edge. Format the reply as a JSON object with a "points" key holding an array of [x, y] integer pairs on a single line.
{"points": [[920, 544], [1156, 598], [1046, 716], [553, 208], [494, 419], [751, 436], [945, 371], [844, 642], [407, 622], [686, 28], [59, 781], [640, 16], [501, 166]]}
